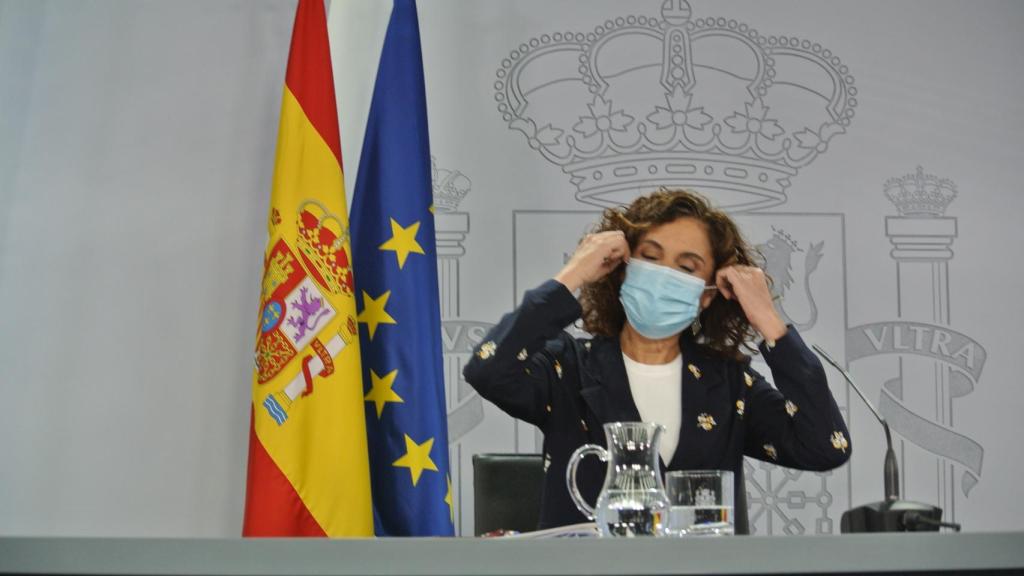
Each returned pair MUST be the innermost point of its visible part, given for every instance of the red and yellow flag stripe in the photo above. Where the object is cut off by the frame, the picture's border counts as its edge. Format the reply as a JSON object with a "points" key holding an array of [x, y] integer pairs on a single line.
{"points": [[308, 464]]}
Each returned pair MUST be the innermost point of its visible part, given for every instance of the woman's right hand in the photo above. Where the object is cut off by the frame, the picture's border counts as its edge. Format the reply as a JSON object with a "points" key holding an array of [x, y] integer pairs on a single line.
{"points": [[596, 256]]}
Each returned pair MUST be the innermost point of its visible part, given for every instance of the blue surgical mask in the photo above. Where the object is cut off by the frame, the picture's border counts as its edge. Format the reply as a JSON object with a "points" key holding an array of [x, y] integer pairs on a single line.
{"points": [[659, 301]]}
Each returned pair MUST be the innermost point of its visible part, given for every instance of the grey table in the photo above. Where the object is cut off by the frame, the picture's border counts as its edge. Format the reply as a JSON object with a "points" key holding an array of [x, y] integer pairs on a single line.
{"points": [[850, 554]]}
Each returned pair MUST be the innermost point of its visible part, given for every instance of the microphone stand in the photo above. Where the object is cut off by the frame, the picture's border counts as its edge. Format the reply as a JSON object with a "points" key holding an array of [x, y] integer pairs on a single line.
{"points": [[891, 514]]}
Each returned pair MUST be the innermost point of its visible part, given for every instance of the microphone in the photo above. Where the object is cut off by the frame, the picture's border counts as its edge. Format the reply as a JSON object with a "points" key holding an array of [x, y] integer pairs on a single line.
{"points": [[891, 473], [891, 514]]}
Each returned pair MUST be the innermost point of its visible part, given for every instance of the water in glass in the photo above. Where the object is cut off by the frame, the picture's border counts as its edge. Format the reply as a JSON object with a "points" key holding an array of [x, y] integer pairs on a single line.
{"points": [[701, 503]]}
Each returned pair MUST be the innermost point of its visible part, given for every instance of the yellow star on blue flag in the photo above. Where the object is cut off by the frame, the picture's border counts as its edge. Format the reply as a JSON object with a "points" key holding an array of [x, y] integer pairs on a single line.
{"points": [[416, 458], [375, 312], [403, 241], [381, 391]]}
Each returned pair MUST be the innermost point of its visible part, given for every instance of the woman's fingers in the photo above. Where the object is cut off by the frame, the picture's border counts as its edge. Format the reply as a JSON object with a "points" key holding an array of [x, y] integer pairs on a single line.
{"points": [[741, 282], [748, 285], [596, 256], [723, 281], [606, 246], [617, 247]]}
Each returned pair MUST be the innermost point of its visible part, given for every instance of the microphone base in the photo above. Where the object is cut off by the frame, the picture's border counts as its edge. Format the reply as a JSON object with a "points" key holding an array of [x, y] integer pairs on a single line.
{"points": [[891, 516]]}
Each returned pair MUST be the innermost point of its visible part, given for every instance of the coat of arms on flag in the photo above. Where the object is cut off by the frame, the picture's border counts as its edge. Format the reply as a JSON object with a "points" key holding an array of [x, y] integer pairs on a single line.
{"points": [[296, 306]]}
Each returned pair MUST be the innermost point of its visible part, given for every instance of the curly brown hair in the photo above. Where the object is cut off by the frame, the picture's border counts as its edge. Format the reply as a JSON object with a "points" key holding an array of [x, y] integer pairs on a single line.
{"points": [[724, 327]]}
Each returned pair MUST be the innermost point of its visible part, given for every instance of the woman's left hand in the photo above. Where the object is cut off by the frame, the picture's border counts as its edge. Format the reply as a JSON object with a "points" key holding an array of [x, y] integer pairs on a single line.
{"points": [[748, 286]]}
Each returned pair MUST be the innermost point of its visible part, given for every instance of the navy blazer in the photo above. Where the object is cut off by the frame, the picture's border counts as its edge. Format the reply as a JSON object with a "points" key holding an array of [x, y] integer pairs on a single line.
{"points": [[569, 388]]}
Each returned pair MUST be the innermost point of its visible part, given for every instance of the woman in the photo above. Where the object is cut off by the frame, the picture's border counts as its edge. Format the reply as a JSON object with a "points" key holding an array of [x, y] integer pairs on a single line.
{"points": [[671, 294]]}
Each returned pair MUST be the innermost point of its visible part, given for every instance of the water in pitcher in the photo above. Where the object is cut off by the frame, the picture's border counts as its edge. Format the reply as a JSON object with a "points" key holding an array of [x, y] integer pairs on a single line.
{"points": [[630, 513]]}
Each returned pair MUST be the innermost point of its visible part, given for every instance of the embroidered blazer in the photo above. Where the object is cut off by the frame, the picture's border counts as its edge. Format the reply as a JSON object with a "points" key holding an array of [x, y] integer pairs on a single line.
{"points": [[569, 388]]}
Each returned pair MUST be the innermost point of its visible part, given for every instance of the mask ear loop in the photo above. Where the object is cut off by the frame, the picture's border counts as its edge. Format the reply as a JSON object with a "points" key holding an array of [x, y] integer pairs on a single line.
{"points": [[696, 326]]}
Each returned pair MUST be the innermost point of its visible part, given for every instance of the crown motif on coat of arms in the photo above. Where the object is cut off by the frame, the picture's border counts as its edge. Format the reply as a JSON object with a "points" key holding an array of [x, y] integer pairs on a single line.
{"points": [[321, 241], [783, 237], [708, 103], [920, 194], [449, 187]]}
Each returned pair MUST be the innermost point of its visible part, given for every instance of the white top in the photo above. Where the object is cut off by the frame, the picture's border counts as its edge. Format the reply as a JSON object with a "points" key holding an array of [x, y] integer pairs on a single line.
{"points": [[657, 390]]}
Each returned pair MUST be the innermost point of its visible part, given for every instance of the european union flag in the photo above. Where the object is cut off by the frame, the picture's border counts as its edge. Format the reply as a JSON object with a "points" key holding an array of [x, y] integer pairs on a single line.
{"points": [[396, 285]]}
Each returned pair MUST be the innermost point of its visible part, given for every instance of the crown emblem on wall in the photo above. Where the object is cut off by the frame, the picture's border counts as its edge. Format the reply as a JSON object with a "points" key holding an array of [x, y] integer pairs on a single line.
{"points": [[783, 238], [920, 194], [449, 187], [707, 103]]}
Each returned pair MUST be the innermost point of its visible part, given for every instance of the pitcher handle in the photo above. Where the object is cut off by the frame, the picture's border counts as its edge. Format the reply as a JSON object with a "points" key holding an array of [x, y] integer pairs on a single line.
{"points": [[570, 476]]}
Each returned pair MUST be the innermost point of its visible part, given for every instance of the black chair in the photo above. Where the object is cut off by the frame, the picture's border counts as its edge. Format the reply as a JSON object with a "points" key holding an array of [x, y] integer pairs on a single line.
{"points": [[507, 489], [506, 492], [741, 522]]}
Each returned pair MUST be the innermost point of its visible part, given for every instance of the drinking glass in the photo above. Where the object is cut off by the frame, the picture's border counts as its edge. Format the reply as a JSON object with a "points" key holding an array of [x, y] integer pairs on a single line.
{"points": [[700, 503]]}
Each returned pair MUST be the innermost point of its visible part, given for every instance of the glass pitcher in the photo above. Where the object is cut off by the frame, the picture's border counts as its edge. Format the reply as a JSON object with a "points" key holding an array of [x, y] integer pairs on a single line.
{"points": [[632, 501]]}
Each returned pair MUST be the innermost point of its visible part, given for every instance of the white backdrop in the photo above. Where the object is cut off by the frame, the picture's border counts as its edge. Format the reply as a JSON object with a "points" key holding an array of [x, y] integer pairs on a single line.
{"points": [[136, 147]]}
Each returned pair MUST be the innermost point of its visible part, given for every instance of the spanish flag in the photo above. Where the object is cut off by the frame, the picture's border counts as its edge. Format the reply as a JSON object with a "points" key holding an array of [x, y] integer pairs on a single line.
{"points": [[308, 463]]}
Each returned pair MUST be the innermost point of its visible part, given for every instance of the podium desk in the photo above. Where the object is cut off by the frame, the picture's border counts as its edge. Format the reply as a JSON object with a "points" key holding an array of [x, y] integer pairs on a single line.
{"points": [[927, 553]]}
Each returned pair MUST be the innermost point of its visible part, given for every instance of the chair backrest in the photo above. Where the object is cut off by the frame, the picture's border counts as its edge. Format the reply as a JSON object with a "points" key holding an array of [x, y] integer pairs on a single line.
{"points": [[506, 492], [741, 522]]}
